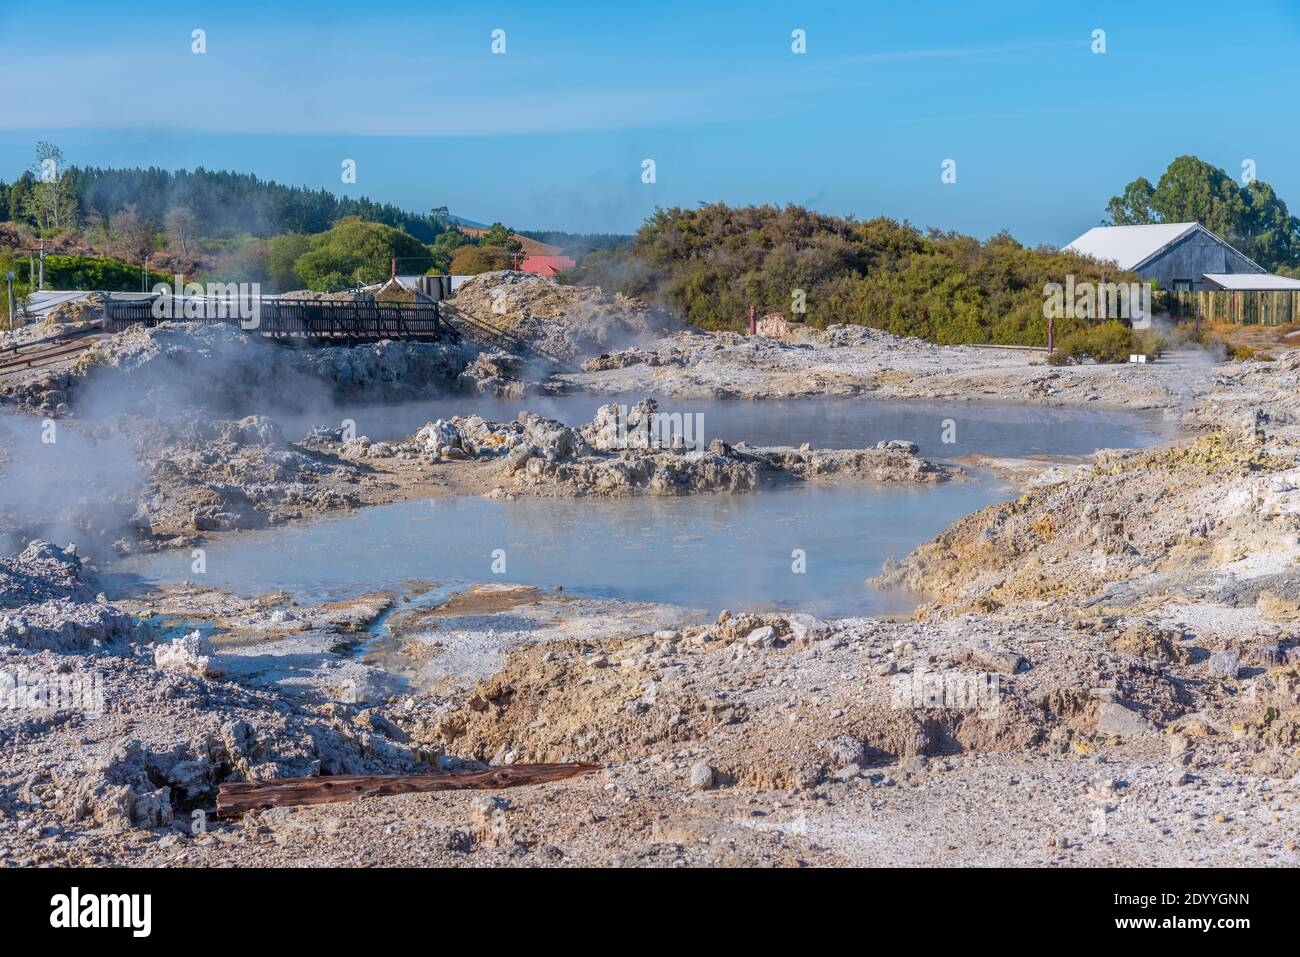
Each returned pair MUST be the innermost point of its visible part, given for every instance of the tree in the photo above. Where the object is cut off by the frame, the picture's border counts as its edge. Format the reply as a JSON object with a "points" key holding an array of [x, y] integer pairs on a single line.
{"points": [[498, 235], [180, 223], [1194, 191], [20, 198], [361, 252], [472, 260], [1273, 233], [282, 255], [444, 248], [228, 204], [130, 237], [711, 264], [51, 202], [98, 232], [1134, 206]]}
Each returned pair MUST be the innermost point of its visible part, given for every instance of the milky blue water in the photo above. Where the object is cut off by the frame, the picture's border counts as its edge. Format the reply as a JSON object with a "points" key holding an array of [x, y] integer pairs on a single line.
{"points": [[977, 427], [705, 551]]}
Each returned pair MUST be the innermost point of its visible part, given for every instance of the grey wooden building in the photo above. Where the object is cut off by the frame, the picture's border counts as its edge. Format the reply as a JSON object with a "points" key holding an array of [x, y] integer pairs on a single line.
{"points": [[1180, 256]]}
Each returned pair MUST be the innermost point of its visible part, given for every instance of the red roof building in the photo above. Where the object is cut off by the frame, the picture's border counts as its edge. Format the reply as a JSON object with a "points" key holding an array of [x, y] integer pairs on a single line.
{"points": [[547, 265]]}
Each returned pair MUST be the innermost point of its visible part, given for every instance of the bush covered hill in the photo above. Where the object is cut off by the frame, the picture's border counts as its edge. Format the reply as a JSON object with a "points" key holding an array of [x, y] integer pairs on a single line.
{"points": [[710, 264]]}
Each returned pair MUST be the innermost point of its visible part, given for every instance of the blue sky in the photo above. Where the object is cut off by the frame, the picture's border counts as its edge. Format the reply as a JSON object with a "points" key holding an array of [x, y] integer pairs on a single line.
{"points": [[552, 133]]}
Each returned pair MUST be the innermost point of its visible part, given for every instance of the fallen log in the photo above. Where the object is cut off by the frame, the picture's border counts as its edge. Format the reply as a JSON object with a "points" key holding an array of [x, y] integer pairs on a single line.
{"points": [[239, 797]]}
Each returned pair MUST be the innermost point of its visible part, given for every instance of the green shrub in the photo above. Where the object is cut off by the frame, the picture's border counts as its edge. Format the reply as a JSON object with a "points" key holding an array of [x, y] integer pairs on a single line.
{"points": [[330, 282], [88, 272], [472, 260], [358, 251], [1105, 342]]}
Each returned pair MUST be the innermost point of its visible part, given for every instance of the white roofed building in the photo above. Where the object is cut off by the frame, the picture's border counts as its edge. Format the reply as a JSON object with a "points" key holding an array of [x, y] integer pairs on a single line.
{"points": [[1252, 282], [1179, 256]]}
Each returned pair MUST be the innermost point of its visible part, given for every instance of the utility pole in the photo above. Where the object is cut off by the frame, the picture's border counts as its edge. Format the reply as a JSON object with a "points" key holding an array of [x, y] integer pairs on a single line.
{"points": [[41, 283], [9, 277]]}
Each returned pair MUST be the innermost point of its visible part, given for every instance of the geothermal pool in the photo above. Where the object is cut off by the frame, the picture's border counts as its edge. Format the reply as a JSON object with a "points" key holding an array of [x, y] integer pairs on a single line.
{"points": [[977, 427], [706, 551]]}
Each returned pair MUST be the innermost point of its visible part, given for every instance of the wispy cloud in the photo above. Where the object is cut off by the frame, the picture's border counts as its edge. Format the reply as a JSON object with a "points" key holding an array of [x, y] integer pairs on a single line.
{"points": [[898, 56]]}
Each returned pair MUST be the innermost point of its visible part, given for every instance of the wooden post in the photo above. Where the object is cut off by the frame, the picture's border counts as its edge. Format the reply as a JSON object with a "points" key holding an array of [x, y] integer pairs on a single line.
{"points": [[240, 797]]}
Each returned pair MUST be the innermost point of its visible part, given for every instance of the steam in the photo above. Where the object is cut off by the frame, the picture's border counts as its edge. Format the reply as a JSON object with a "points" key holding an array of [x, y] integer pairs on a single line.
{"points": [[81, 478], [1195, 361], [66, 485]]}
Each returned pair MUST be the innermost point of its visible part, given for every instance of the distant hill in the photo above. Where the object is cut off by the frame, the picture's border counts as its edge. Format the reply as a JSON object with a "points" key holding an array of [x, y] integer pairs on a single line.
{"points": [[531, 247], [577, 244], [462, 221]]}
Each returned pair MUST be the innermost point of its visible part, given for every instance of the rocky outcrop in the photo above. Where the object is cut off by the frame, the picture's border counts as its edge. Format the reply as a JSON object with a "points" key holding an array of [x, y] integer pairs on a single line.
{"points": [[188, 732], [625, 451], [224, 474], [48, 605], [532, 315], [177, 364], [1200, 504], [189, 654]]}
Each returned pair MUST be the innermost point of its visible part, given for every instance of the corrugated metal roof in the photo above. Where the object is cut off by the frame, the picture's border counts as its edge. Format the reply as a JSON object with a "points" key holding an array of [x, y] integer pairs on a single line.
{"points": [[43, 302], [1250, 281], [546, 265], [1129, 246]]}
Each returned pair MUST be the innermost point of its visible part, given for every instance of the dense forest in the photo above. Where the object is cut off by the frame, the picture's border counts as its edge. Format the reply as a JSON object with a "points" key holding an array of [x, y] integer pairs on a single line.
{"points": [[219, 203]]}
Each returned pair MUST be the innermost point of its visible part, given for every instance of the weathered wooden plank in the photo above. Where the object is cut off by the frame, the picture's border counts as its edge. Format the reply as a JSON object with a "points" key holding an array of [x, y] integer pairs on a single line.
{"points": [[239, 797]]}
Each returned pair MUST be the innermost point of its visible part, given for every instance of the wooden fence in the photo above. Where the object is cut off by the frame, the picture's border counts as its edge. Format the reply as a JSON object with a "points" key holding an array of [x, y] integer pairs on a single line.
{"points": [[1252, 308]]}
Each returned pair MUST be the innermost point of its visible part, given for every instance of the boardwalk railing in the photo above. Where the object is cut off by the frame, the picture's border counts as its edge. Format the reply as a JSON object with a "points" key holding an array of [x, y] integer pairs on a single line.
{"points": [[1267, 307], [288, 318]]}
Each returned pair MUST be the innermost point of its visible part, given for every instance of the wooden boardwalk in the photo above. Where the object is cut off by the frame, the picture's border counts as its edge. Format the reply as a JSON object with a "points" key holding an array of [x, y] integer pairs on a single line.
{"points": [[290, 319], [50, 351]]}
